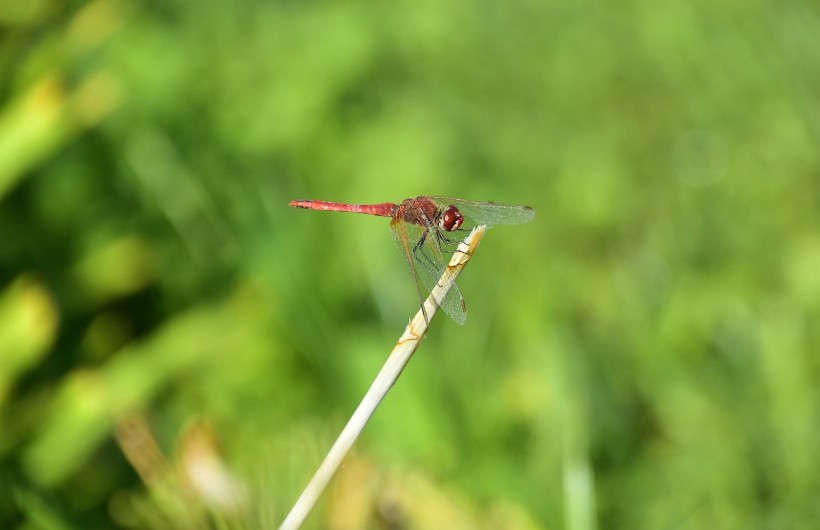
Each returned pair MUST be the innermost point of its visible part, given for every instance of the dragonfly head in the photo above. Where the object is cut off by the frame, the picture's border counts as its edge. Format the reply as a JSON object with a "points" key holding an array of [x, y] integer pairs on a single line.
{"points": [[450, 219]]}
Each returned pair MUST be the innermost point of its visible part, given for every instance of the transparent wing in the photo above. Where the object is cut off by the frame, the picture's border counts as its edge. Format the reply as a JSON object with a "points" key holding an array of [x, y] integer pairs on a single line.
{"points": [[487, 213], [427, 257]]}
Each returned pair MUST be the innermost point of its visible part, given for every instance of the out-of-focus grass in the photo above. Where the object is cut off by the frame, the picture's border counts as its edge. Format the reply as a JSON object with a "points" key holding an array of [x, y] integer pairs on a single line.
{"points": [[642, 355]]}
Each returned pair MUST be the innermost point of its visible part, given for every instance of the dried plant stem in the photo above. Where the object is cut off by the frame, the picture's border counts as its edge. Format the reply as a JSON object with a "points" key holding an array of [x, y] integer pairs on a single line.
{"points": [[398, 359]]}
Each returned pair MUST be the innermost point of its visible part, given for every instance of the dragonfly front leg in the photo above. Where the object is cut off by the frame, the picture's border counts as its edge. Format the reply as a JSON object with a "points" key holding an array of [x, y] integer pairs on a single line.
{"points": [[441, 240]]}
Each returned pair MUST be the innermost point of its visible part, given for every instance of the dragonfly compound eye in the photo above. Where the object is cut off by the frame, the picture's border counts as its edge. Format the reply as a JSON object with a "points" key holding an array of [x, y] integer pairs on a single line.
{"points": [[451, 219]]}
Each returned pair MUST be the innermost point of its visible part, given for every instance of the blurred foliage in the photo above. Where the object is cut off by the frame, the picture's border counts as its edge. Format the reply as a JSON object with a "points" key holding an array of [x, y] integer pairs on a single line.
{"points": [[178, 348]]}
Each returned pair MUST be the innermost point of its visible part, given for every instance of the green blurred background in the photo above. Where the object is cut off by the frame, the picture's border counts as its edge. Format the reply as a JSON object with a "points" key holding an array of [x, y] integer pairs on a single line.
{"points": [[178, 348]]}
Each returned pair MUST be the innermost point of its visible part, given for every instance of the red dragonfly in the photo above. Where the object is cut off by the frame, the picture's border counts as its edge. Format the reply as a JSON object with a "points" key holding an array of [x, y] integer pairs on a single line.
{"points": [[426, 230]]}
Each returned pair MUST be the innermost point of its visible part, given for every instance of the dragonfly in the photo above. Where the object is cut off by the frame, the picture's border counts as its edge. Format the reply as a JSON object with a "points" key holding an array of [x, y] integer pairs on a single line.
{"points": [[427, 230]]}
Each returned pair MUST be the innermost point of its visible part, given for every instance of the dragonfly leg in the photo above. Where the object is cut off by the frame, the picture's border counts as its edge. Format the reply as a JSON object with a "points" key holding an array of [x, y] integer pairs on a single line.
{"points": [[442, 241], [424, 260], [418, 252]]}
